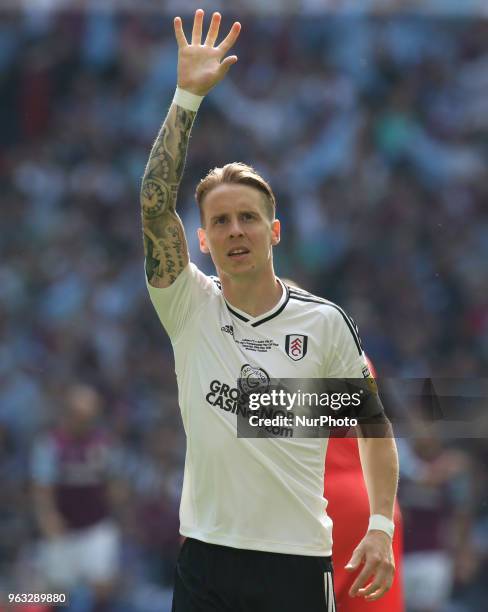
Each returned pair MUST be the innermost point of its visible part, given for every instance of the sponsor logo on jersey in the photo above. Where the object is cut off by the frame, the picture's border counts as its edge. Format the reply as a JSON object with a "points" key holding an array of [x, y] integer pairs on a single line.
{"points": [[253, 380], [296, 346], [236, 399], [226, 398]]}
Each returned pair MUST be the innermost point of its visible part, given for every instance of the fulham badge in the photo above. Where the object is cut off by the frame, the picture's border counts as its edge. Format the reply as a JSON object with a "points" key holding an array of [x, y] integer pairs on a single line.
{"points": [[296, 346]]}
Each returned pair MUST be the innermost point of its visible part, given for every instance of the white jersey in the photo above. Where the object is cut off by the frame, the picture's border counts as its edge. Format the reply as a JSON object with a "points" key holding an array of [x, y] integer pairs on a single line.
{"points": [[253, 493]]}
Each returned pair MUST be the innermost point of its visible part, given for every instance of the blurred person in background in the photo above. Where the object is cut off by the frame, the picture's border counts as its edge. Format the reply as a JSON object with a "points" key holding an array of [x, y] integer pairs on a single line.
{"points": [[470, 585], [437, 495], [71, 473], [157, 490]]}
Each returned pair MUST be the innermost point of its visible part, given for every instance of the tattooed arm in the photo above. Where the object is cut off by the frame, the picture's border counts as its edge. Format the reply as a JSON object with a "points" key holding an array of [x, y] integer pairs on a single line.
{"points": [[200, 67], [165, 245]]}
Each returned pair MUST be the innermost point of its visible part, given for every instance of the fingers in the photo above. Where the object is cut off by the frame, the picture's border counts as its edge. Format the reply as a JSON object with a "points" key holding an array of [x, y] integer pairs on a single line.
{"points": [[382, 583], [213, 30], [376, 576], [383, 579], [226, 64], [230, 39], [375, 590], [361, 580], [379, 582], [379, 593], [196, 35], [180, 35], [355, 560]]}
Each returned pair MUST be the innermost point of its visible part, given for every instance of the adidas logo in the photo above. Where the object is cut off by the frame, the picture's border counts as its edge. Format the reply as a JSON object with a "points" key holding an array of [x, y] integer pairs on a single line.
{"points": [[228, 329]]}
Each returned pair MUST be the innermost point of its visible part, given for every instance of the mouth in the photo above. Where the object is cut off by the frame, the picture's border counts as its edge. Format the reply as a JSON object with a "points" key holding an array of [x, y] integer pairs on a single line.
{"points": [[238, 252]]}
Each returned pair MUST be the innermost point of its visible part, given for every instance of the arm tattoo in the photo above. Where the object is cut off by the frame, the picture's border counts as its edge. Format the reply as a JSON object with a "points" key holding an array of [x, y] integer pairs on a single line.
{"points": [[164, 238], [166, 255]]}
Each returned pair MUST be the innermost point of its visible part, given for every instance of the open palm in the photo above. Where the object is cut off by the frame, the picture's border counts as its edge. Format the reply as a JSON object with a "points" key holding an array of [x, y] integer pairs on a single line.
{"points": [[201, 67]]}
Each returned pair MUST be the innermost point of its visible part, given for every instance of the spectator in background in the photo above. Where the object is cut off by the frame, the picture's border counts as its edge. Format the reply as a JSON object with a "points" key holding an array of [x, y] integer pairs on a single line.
{"points": [[437, 494], [157, 491], [71, 467]]}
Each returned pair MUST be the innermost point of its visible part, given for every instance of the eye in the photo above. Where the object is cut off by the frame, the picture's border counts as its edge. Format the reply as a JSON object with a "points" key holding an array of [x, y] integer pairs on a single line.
{"points": [[220, 220], [247, 216]]}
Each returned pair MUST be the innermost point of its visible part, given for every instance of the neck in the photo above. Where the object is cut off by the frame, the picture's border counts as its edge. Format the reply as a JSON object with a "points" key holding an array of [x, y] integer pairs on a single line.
{"points": [[251, 294]]}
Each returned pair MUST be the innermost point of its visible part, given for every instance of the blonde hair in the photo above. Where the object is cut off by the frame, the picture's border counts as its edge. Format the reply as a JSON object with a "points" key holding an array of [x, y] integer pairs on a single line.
{"points": [[236, 173]]}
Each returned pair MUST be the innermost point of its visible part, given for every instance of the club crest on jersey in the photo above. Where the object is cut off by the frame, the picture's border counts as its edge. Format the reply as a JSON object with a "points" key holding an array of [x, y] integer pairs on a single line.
{"points": [[296, 346]]}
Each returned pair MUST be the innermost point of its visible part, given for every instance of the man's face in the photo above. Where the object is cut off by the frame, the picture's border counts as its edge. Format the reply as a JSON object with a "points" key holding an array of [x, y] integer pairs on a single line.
{"points": [[82, 408], [238, 233]]}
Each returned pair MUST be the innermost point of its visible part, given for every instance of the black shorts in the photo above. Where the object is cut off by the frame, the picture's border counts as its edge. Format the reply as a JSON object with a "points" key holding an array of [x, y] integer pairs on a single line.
{"points": [[211, 578]]}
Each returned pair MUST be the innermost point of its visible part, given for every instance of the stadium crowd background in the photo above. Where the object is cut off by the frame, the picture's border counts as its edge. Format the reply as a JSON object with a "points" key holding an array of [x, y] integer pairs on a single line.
{"points": [[372, 132]]}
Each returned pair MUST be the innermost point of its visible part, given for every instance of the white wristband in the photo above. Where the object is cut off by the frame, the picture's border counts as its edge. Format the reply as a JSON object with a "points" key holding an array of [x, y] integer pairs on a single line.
{"points": [[380, 522], [187, 100]]}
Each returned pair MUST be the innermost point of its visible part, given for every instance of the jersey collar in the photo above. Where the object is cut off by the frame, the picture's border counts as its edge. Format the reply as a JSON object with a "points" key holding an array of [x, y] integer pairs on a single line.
{"points": [[266, 316]]}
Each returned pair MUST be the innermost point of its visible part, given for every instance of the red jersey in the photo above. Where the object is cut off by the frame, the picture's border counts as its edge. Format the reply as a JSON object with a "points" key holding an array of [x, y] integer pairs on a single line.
{"points": [[348, 508]]}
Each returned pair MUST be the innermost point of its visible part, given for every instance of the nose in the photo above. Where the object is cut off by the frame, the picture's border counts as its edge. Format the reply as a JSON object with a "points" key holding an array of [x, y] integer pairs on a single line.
{"points": [[235, 229]]}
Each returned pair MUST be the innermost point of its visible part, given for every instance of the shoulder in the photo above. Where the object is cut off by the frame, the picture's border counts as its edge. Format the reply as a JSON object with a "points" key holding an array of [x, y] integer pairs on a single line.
{"points": [[210, 284], [190, 278], [309, 301], [336, 316], [300, 295]]}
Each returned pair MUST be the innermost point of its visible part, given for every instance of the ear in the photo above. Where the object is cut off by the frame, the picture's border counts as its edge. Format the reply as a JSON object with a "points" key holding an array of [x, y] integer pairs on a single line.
{"points": [[202, 240], [275, 232]]}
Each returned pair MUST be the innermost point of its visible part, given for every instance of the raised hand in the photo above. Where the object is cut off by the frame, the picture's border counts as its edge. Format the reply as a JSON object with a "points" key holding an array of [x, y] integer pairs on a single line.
{"points": [[201, 67]]}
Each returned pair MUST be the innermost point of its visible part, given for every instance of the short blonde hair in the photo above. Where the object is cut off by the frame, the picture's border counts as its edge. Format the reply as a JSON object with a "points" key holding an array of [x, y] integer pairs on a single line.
{"points": [[236, 173]]}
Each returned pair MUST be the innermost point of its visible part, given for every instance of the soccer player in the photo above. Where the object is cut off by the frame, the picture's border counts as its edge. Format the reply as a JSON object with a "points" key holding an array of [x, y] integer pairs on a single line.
{"points": [[252, 509]]}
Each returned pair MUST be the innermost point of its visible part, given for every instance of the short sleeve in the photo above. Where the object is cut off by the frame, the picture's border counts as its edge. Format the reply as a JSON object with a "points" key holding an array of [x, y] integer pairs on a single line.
{"points": [[348, 361], [177, 304], [346, 358]]}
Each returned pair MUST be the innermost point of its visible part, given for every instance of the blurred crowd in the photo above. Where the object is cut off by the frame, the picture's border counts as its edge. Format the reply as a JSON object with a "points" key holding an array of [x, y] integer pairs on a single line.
{"points": [[373, 134]]}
